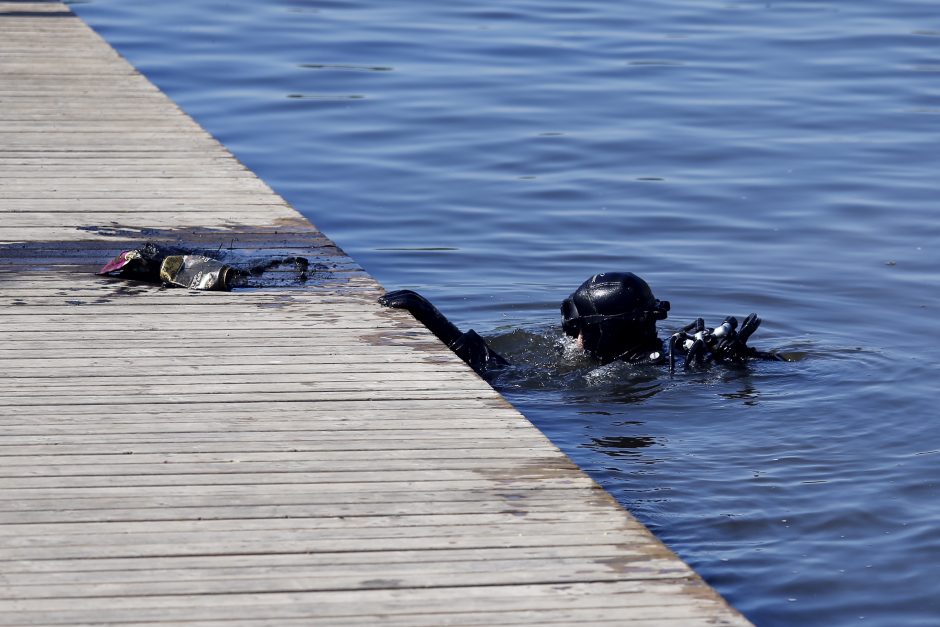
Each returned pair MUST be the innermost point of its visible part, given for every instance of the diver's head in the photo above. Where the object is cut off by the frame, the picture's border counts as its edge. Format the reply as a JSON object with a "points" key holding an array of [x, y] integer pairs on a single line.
{"points": [[612, 313]]}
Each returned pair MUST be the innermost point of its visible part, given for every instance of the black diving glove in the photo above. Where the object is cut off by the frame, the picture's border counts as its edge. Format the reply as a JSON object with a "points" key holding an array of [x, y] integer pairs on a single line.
{"points": [[469, 346], [730, 343], [426, 313], [725, 343]]}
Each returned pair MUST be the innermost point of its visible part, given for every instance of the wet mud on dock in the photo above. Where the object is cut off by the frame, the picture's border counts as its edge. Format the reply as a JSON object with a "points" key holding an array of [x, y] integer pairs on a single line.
{"points": [[291, 455]]}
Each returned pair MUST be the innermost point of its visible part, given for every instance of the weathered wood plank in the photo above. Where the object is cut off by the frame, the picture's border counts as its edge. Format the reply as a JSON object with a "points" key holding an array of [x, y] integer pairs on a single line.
{"points": [[548, 596], [97, 532], [420, 576], [103, 410], [277, 506], [15, 386], [278, 503], [170, 545], [273, 369], [342, 461], [633, 617]]}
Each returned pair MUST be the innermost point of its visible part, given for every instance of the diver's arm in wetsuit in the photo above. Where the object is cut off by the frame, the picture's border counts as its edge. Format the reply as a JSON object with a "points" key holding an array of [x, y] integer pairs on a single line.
{"points": [[469, 346]]}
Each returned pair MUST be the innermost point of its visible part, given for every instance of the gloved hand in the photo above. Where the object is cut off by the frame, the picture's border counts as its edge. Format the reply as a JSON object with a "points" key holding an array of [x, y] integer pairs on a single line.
{"points": [[730, 343], [469, 346], [725, 343], [405, 299], [425, 313]]}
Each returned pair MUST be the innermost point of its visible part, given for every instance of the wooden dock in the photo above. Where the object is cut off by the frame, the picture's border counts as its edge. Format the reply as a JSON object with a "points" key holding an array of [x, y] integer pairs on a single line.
{"points": [[285, 456]]}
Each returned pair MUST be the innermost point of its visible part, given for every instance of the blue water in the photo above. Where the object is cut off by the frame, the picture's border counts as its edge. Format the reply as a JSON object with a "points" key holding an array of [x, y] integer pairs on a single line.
{"points": [[774, 157]]}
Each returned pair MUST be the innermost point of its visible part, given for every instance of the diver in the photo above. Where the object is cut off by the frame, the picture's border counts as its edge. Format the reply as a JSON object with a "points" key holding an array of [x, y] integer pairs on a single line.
{"points": [[612, 316]]}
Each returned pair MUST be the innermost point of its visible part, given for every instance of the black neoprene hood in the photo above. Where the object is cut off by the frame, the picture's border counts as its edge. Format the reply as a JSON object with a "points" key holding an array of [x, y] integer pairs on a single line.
{"points": [[612, 311]]}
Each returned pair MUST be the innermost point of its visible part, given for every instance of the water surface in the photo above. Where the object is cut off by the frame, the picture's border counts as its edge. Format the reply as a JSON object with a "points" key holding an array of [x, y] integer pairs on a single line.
{"points": [[772, 157]]}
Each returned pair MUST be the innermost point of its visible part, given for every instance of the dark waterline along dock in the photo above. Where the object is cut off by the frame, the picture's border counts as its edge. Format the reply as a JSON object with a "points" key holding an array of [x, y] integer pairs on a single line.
{"points": [[289, 456]]}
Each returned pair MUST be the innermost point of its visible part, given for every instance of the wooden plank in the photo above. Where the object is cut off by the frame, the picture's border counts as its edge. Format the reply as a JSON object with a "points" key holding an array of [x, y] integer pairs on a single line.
{"points": [[345, 380], [267, 406], [159, 530], [310, 439], [254, 463], [281, 501], [545, 596], [638, 617], [274, 456], [130, 368], [419, 576], [446, 561], [427, 538], [276, 506]]}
